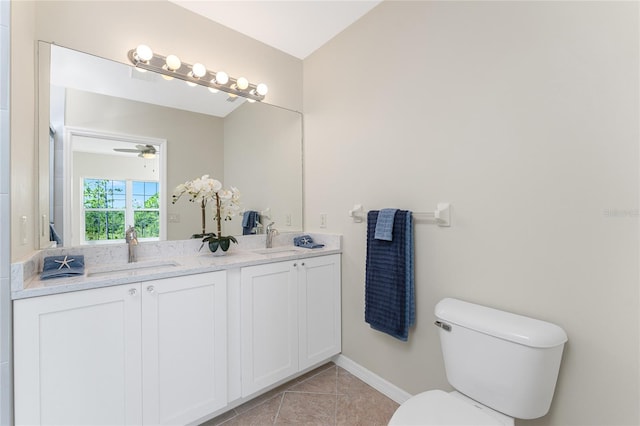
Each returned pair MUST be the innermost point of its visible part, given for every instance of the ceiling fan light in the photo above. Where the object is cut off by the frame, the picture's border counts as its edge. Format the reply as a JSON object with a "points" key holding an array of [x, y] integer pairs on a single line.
{"points": [[148, 155]]}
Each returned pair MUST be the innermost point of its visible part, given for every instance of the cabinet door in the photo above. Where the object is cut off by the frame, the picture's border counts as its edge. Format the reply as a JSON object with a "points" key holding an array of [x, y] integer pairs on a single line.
{"points": [[78, 358], [184, 322], [319, 307], [269, 324]]}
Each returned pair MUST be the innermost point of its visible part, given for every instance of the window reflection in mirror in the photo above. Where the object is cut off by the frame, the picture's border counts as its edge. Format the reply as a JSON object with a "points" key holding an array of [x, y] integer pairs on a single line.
{"points": [[255, 147]]}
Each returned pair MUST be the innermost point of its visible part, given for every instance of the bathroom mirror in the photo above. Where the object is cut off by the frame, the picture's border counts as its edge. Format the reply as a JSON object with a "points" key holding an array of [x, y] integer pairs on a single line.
{"points": [[105, 129]]}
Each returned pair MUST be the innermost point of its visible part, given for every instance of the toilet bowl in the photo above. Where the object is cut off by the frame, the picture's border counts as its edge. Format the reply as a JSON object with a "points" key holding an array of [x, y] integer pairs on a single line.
{"points": [[503, 366], [439, 408]]}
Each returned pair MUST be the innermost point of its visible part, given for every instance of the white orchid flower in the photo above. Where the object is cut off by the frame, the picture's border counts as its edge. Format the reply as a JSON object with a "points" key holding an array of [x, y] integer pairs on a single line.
{"points": [[225, 194]]}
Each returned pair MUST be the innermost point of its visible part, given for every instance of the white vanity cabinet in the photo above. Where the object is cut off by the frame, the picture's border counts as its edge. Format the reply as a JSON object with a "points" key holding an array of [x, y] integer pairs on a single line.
{"points": [[290, 318], [319, 313], [78, 358], [146, 353], [184, 348]]}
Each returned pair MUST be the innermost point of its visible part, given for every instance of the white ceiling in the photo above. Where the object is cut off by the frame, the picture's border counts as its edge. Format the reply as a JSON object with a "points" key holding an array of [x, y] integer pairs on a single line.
{"points": [[297, 27]]}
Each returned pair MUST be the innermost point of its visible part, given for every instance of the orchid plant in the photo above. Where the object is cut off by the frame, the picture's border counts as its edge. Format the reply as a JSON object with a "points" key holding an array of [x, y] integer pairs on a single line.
{"points": [[227, 204]]}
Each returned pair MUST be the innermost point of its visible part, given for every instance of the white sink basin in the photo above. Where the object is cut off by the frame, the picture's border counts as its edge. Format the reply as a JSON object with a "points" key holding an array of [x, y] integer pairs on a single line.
{"points": [[131, 267], [278, 250]]}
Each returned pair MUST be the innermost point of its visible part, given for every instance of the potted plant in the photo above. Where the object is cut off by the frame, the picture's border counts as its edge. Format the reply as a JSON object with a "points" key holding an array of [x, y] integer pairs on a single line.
{"points": [[227, 204]]}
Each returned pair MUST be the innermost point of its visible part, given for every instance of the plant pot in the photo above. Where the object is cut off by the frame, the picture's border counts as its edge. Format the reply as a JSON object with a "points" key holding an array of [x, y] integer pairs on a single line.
{"points": [[220, 245]]}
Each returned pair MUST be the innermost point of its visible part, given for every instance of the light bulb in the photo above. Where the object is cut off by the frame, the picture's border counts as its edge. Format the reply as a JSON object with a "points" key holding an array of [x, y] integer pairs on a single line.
{"points": [[198, 70], [242, 83], [262, 89], [144, 53], [173, 62], [222, 77]]}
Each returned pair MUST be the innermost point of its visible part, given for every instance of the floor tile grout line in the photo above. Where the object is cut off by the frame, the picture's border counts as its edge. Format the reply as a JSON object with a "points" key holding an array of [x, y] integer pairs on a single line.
{"points": [[315, 375], [312, 393], [275, 419]]}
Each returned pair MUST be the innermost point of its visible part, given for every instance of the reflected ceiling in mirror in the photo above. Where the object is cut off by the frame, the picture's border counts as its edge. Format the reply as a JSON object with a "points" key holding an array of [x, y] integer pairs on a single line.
{"points": [[255, 147], [77, 70]]}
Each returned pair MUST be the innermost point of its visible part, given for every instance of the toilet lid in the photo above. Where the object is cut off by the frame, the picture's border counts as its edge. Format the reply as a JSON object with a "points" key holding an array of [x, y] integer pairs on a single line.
{"points": [[438, 408]]}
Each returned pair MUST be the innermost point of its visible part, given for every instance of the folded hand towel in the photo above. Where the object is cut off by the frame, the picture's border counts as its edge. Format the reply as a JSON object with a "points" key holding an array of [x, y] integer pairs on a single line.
{"points": [[62, 266], [306, 242], [384, 224], [249, 221]]}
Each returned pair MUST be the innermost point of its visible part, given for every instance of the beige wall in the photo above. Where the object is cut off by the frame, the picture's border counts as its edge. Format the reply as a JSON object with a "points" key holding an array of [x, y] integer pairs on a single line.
{"points": [[523, 115], [109, 29], [23, 125]]}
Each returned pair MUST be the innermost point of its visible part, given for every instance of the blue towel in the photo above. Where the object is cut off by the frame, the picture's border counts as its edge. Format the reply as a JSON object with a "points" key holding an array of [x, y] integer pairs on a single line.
{"points": [[53, 235], [249, 221], [62, 266], [384, 224], [389, 286]]}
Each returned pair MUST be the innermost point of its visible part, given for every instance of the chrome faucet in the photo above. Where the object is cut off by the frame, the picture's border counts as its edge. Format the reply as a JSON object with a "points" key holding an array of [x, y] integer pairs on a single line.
{"points": [[131, 237], [271, 232]]}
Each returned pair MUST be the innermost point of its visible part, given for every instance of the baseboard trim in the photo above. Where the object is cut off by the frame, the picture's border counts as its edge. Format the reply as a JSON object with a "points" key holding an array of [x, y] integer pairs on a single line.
{"points": [[372, 379]]}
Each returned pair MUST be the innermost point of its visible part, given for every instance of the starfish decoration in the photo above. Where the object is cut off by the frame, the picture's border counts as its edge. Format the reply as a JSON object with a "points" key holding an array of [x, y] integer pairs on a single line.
{"points": [[64, 262]]}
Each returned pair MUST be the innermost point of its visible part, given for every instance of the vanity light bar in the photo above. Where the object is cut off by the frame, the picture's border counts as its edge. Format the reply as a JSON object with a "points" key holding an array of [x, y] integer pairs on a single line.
{"points": [[143, 57]]}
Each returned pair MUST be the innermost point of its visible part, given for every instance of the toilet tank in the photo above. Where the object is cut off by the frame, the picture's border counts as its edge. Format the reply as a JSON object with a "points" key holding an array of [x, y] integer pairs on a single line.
{"points": [[505, 361]]}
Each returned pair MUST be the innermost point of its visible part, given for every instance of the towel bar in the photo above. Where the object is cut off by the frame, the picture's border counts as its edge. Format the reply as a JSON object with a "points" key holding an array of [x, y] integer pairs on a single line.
{"points": [[442, 214], [357, 213]]}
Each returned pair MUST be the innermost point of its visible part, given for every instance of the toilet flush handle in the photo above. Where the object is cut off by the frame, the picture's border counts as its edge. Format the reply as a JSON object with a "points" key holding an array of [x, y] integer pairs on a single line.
{"points": [[443, 325]]}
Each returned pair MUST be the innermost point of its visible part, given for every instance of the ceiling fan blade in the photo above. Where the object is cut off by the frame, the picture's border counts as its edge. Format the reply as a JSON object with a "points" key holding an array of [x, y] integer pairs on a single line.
{"points": [[126, 150]]}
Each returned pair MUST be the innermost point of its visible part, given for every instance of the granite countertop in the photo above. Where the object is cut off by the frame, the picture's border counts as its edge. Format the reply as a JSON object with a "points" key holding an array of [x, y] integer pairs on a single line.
{"points": [[160, 260]]}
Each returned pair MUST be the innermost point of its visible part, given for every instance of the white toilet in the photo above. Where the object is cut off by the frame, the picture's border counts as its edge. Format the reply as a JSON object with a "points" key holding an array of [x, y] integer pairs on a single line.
{"points": [[503, 366]]}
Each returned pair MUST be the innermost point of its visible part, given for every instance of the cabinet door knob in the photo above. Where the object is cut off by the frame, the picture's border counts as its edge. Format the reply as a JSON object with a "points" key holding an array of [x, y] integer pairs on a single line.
{"points": [[295, 264], [151, 289], [302, 263], [133, 292]]}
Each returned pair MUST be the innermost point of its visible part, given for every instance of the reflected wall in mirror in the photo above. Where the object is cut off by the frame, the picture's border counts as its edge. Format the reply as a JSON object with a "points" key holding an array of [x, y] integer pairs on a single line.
{"points": [[98, 122]]}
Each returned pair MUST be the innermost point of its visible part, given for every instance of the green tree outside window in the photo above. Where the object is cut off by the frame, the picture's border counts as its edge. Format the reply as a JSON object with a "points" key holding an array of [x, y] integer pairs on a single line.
{"points": [[109, 205]]}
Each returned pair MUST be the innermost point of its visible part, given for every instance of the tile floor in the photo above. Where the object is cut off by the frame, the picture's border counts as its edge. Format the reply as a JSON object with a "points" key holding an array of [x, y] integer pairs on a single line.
{"points": [[328, 395]]}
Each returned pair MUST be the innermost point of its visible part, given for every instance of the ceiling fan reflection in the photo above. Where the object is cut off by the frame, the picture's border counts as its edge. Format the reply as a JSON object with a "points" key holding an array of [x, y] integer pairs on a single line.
{"points": [[144, 151]]}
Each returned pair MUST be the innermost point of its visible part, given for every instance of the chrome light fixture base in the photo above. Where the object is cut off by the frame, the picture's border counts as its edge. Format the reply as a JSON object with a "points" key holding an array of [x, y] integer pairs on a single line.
{"points": [[158, 63]]}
